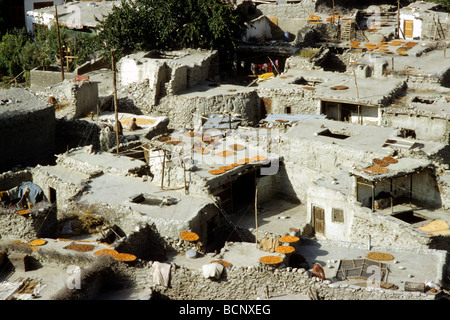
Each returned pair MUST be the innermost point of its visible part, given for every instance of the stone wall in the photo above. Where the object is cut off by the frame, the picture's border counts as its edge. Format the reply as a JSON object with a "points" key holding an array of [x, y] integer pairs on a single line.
{"points": [[426, 127], [85, 96], [305, 161], [40, 223], [429, 26], [147, 77], [65, 185], [290, 17], [249, 283], [385, 231], [76, 133], [11, 179], [300, 101], [27, 137], [40, 79], [144, 227], [92, 65], [182, 109]]}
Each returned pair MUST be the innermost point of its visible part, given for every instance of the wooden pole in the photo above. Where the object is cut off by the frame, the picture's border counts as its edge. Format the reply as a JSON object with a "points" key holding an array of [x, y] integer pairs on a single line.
{"points": [[391, 189], [163, 165], [184, 169], [359, 114], [398, 19], [115, 100], [410, 189], [356, 84], [373, 196], [256, 211], [332, 17], [59, 44]]}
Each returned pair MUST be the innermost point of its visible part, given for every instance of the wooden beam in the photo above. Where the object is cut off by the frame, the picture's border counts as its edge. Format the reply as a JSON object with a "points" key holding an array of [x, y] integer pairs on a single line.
{"points": [[163, 167], [256, 210], [115, 100], [59, 44]]}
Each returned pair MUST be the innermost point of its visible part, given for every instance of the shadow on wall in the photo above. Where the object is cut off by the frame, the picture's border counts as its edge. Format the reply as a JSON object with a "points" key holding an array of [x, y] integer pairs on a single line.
{"points": [[145, 244], [125, 105], [286, 190], [445, 79]]}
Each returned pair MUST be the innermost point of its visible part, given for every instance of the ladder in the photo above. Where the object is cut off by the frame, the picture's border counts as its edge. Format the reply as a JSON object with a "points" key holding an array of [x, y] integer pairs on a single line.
{"points": [[228, 219], [437, 30], [347, 31]]}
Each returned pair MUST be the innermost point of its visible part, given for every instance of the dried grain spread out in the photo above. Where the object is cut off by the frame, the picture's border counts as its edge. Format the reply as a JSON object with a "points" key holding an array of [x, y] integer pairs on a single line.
{"points": [[271, 259], [379, 256], [216, 171], [285, 249], [38, 242], [124, 257], [189, 236], [289, 239], [105, 252], [80, 247]]}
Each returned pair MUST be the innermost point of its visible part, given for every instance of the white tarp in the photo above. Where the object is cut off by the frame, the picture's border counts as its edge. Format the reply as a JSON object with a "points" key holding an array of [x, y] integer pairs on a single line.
{"points": [[161, 273], [7, 289], [212, 270]]}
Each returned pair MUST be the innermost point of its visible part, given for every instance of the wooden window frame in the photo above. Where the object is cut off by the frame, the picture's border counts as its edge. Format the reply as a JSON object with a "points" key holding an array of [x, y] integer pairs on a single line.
{"points": [[337, 218]]}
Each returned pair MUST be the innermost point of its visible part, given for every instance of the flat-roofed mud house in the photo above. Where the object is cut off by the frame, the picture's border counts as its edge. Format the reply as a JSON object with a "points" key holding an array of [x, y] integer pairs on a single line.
{"points": [[340, 97], [334, 170], [423, 21], [27, 128]]}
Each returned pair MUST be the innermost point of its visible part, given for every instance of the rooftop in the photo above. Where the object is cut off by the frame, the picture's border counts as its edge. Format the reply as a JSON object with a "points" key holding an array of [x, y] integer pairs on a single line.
{"points": [[370, 139], [17, 101], [77, 14], [324, 85]]}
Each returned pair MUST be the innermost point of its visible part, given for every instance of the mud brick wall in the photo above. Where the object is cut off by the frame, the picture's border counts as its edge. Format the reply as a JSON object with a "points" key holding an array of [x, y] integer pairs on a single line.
{"points": [[27, 136], [11, 179], [40, 223], [40, 80], [249, 283]]}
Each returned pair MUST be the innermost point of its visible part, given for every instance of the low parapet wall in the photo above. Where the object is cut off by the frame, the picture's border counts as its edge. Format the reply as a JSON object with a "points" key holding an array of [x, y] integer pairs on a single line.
{"points": [[250, 283], [40, 223], [42, 79]]}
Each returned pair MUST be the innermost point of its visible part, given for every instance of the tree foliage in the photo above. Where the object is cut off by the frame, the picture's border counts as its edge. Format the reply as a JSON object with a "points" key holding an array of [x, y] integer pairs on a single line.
{"points": [[17, 53], [20, 52], [170, 25], [444, 3]]}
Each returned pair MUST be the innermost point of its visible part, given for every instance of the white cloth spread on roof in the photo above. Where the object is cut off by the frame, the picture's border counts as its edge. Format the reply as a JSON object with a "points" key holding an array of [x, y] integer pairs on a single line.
{"points": [[212, 270], [161, 273]]}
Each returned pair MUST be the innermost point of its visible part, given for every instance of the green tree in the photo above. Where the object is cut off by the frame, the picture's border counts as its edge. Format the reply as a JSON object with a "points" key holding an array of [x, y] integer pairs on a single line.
{"points": [[18, 53], [171, 24]]}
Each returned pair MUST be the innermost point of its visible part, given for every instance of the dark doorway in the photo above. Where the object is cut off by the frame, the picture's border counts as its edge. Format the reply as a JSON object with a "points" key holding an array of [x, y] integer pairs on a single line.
{"points": [[243, 192], [52, 195]]}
